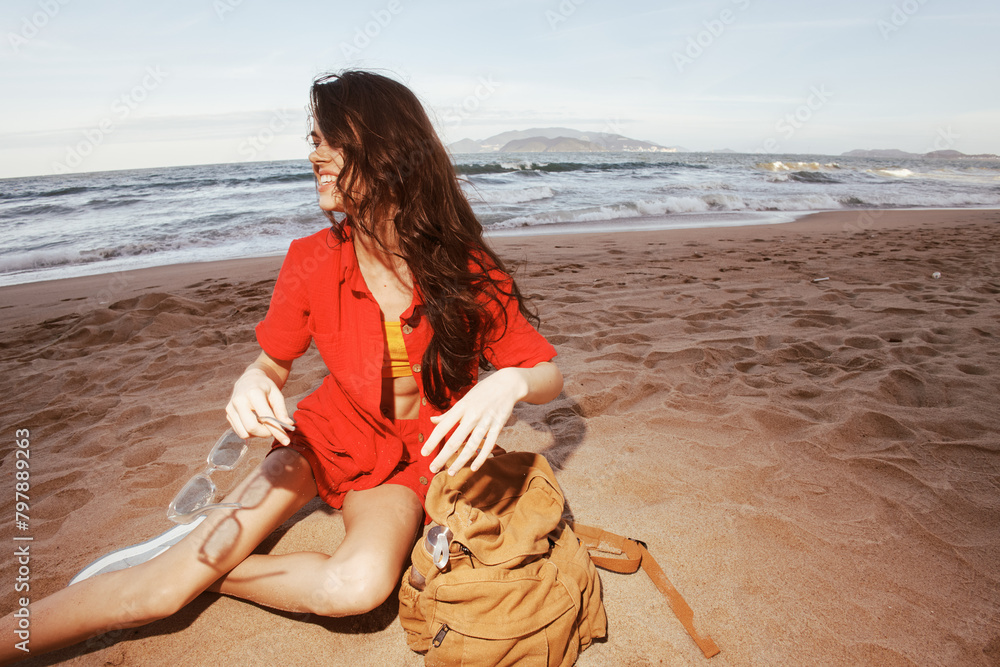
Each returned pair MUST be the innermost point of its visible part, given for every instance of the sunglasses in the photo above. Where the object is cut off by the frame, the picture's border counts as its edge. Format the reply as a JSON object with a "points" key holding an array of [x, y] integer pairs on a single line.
{"points": [[197, 495], [195, 499], [273, 421]]}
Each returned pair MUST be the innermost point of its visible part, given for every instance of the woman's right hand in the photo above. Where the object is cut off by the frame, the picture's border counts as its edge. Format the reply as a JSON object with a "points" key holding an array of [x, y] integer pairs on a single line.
{"points": [[257, 392]]}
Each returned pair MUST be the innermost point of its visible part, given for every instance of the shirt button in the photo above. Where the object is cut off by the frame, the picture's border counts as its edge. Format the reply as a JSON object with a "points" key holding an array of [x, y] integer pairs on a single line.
{"points": [[420, 437], [423, 480], [407, 329], [416, 368]]}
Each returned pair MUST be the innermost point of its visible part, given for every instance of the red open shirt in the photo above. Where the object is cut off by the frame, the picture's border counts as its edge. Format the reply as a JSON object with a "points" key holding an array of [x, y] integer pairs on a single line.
{"points": [[321, 296]]}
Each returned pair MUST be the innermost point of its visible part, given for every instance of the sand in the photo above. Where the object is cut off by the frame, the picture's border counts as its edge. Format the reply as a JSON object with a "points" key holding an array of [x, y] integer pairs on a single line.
{"points": [[816, 465]]}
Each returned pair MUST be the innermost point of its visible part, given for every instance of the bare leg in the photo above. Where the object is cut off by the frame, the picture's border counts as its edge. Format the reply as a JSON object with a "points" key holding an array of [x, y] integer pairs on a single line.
{"points": [[381, 526], [277, 489]]}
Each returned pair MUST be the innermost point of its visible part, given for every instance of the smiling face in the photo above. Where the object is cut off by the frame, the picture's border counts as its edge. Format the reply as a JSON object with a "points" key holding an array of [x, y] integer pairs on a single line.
{"points": [[327, 163]]}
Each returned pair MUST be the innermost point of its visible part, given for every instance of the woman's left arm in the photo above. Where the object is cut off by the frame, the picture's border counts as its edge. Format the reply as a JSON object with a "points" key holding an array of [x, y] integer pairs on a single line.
{"points": [[478, 417]]}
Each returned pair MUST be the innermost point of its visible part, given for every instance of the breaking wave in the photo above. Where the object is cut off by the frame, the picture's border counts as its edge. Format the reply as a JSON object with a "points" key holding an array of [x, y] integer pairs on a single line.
{"points": [[510, 196], [559, 167], [676, 205]]}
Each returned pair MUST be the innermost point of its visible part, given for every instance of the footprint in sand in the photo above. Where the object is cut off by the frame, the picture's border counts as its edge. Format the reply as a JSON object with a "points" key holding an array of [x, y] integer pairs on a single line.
{"points": [[904, 387], [155, 475], [50, 511], [53, 486], [913, 355], [936, 336], [145, 471], [874, 429], [142, 454], [570, 298], [166, 424], [864, 342], [625, 339]]}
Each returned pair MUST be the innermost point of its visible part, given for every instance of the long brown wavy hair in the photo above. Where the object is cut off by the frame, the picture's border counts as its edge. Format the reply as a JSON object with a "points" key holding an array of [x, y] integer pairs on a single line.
{"points": [[395, 162]]}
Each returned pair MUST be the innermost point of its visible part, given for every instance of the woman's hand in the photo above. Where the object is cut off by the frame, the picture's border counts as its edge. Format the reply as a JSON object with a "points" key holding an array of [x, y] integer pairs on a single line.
{"points": [[257, 392], [480, 415]]}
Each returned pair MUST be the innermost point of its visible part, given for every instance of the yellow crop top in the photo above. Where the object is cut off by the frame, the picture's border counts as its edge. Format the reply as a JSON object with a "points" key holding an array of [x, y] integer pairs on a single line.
{"points": [[395, 363]]}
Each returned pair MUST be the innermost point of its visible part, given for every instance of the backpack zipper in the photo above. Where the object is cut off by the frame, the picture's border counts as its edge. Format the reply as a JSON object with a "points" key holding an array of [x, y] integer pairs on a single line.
{"points": [[439, 637], [467, 552]]}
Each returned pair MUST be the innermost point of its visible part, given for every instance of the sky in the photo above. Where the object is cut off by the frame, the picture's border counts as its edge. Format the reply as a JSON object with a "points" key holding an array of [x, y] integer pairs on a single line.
{"points": [[100, 85]]}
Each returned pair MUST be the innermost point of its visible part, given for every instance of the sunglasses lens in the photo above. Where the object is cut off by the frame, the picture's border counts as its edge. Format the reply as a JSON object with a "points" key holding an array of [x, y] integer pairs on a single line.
{"points": [[227, 451], [196, 494]]}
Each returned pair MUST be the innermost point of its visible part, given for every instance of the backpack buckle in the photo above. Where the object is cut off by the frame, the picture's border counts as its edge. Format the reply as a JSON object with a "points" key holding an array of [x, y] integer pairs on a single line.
{"points": [[644, 545]]}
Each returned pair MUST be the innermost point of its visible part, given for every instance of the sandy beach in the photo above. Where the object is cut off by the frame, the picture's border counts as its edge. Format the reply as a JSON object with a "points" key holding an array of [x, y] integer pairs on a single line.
{"points": [[815, 464]]}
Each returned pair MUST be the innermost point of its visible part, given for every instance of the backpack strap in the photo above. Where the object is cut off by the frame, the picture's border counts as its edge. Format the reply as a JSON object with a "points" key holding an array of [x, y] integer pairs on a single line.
{"points": [[628, 556]]}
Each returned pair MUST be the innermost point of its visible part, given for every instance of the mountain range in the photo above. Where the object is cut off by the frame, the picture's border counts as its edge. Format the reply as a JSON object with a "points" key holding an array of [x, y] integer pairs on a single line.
{"points": [[896, 153], [559, 140], [567, 140]]}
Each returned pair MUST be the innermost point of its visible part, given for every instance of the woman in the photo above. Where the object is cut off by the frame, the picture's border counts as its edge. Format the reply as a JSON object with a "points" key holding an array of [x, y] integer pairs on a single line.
{"points": [[403, 299]]}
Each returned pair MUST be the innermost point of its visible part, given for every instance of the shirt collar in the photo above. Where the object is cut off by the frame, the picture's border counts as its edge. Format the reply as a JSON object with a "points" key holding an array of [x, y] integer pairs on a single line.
{"points": [[350, 272]]}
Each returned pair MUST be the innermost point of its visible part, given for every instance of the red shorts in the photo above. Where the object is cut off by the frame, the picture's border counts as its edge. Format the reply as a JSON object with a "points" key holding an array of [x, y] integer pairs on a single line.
{"points": [[412, 472]]}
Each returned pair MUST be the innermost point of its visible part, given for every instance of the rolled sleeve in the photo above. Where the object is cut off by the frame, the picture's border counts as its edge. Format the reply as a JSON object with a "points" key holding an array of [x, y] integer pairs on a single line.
{"points": [[519, 344], [284, 332]]}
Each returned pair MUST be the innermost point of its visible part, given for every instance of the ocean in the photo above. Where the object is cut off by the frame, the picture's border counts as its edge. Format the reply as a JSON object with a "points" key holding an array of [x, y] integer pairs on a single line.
{"points": [[81, 224]]}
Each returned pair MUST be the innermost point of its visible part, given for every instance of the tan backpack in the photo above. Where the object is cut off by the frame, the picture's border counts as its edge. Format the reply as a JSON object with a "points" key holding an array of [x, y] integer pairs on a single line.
{"points": [[503, 580]]}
